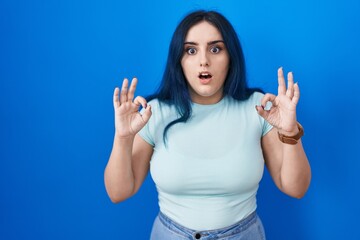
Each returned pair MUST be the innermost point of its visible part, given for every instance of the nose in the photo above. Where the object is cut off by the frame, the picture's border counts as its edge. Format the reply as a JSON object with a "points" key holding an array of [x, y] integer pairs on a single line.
{"points": [[204, 60]]}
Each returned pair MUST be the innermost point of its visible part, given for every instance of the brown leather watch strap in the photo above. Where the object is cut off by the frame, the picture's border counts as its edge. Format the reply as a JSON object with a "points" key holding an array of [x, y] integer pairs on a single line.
{"points": [[292, 139]]}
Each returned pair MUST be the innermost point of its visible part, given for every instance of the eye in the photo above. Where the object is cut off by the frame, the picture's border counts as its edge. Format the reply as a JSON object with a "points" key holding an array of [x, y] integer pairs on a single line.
{"points": [[215, 49], [191, 51]]}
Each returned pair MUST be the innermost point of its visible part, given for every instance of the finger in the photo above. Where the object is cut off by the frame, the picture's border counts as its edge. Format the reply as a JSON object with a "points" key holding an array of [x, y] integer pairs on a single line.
{"points": [[281, 82], [290, 89], [147, 114], [268, 98], [116, 100], [124, 91], [296, 97], [140, 101], [130, 95], [262, 112]]}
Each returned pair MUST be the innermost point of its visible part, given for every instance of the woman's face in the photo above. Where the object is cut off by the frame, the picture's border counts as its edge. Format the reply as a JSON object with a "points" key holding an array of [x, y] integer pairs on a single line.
{"points": [[205, 63]]}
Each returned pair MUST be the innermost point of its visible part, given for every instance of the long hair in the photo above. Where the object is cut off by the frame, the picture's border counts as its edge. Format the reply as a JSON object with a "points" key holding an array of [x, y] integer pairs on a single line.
{"points": [[173, 89]]}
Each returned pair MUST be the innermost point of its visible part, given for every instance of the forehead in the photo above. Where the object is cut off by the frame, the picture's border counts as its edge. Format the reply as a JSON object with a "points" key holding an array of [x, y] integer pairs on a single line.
{"points": [[203, 32]]}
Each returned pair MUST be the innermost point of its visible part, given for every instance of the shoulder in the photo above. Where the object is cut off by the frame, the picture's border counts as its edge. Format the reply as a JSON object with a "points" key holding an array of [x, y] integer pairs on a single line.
{"points": [[256, 96], [158, 105], [161, 110], [154, 102], [255, 99]]}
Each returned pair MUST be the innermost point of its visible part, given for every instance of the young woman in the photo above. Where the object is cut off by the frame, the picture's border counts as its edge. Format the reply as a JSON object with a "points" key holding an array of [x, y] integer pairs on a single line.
{"points": [[205, 136]]}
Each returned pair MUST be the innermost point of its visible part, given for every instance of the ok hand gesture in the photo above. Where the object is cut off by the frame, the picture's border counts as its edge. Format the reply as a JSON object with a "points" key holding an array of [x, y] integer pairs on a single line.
{"points": [[128, 120], [282, 114]]}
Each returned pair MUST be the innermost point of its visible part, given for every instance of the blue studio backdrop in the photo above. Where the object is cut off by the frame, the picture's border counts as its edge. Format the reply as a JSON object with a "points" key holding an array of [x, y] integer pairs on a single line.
{"points": [[59, 64]]}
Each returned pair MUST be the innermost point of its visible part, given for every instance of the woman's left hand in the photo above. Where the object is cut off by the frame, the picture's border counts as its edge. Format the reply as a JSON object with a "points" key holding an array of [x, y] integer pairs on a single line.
{"points": [[282, 114]]}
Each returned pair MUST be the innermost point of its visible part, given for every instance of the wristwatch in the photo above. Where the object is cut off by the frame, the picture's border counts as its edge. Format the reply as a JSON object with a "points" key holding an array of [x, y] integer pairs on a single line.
{"points": [[292, 139]]}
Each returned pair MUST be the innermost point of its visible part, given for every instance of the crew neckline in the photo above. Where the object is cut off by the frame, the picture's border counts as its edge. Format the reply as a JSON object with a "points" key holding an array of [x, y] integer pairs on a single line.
{"points": [[199, 105]]}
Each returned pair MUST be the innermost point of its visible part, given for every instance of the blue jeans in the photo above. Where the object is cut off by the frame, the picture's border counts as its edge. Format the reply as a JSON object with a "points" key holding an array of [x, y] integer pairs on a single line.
{"points": [[249, 228]]}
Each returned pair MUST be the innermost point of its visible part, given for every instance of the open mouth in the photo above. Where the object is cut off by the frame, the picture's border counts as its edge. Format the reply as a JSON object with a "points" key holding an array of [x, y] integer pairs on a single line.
{"points": [[205, 75]]}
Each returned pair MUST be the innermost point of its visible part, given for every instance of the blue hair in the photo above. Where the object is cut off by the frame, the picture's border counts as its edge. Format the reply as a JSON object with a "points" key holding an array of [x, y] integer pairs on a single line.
{"points": [[173, 89]]}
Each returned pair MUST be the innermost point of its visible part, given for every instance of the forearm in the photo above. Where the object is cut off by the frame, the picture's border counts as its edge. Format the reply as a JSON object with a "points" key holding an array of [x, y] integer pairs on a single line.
{"points": [[119, 176], [295, 174]]}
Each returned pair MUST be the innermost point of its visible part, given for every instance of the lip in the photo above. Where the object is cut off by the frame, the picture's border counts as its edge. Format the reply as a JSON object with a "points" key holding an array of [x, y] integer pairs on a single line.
{"points": [[205, 80]]}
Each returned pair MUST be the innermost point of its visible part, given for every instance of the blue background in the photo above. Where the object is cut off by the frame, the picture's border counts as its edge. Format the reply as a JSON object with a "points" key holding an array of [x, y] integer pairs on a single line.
{"points": [[59, 64]]}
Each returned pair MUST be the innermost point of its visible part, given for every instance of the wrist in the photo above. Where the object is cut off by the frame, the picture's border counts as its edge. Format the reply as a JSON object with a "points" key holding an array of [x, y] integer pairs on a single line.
{"points": [[120, 137], [293, 136], [292, 132]]}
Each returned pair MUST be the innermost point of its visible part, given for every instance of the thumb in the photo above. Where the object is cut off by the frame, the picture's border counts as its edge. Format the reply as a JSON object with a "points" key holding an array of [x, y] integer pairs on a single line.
{"points": [[146, 114], [261, 111]]}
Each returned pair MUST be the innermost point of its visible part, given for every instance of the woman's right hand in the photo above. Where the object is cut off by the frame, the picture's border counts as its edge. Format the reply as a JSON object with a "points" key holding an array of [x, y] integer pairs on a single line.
{"points": [[128, 120]]}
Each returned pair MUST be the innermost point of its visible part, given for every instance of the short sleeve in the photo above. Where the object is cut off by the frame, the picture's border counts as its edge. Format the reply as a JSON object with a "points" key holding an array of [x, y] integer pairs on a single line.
{"points": [[266, 128]]}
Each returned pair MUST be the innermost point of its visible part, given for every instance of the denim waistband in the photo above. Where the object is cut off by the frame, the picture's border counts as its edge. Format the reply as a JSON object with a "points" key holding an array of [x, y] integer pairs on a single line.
{"points": [[208, 234]]}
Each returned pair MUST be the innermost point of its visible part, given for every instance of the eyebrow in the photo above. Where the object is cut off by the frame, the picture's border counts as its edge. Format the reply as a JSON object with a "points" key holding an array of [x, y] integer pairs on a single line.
{"points": [[209, 43]]}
